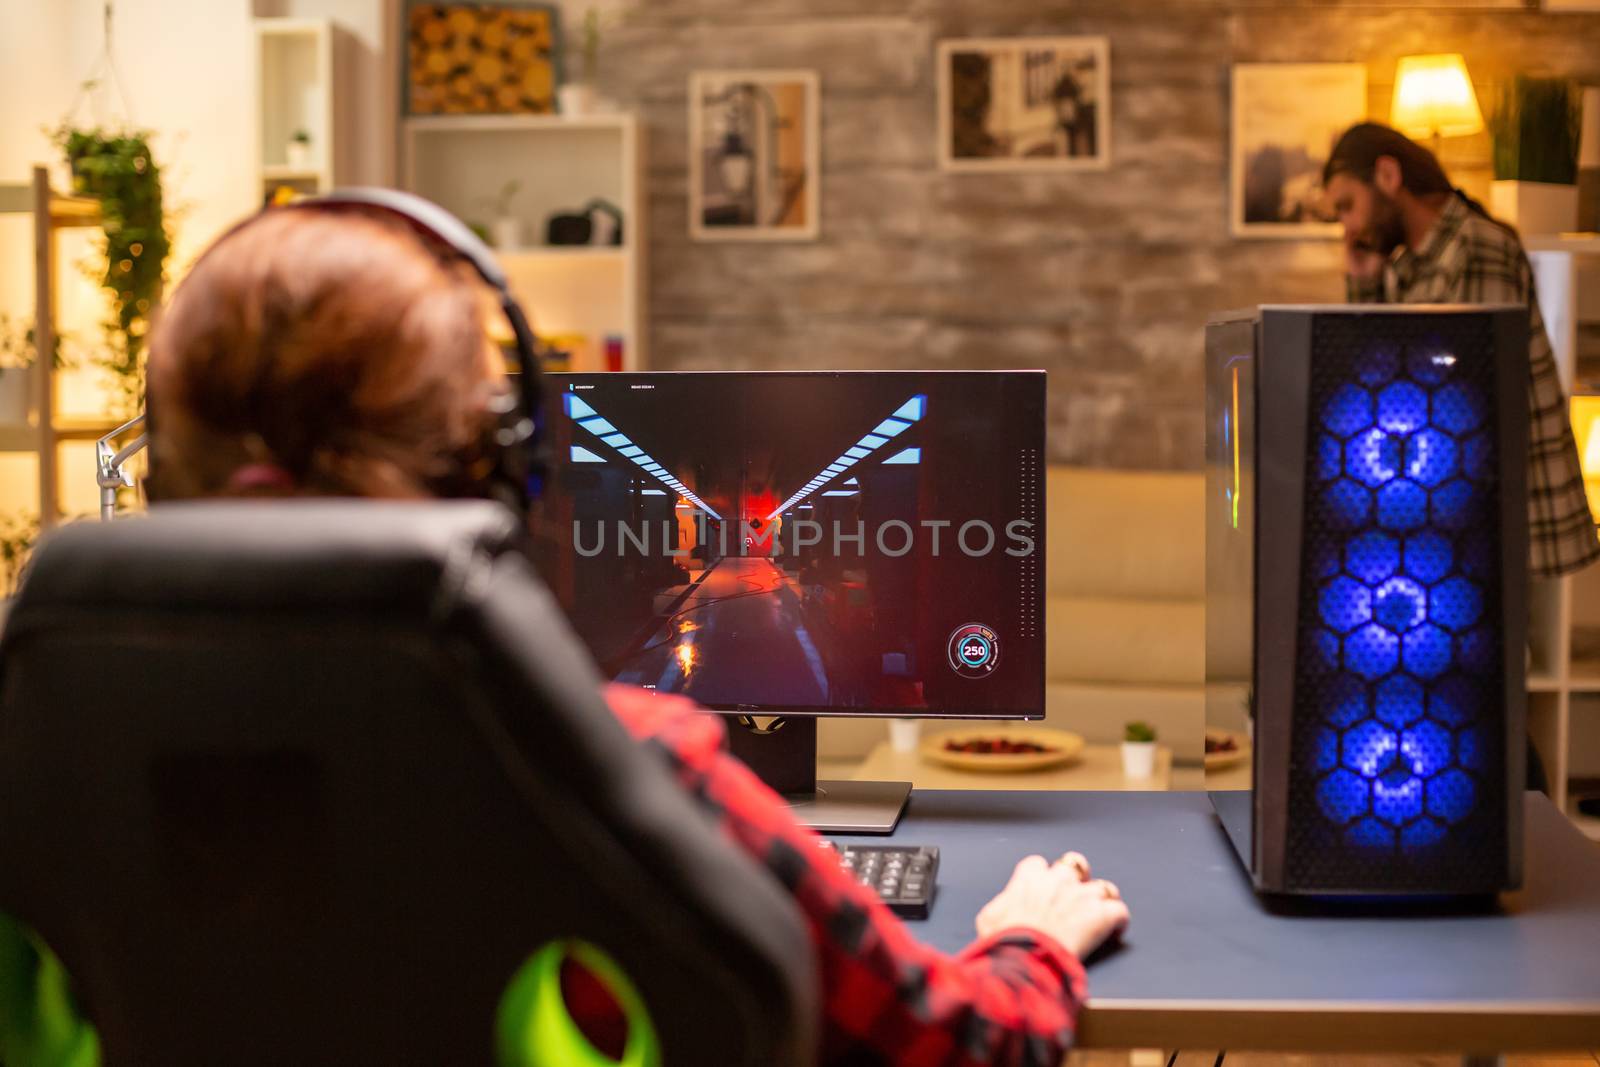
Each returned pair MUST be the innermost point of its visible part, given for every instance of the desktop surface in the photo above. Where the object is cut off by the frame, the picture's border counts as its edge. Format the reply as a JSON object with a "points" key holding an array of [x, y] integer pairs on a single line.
{"points": [[1207, 963]]}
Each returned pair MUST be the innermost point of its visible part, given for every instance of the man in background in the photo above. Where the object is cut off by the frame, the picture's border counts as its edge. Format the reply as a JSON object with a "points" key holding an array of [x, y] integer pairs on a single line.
{"points": [[1411, 237]]}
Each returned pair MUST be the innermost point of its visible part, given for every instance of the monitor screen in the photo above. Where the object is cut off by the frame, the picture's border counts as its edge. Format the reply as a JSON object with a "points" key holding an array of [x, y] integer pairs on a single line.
{"points": [[805, 543]]}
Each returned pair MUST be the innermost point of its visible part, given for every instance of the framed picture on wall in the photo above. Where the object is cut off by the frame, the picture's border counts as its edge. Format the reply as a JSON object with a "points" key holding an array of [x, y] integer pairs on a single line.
{"points": [[481, 59], [1286, 117], [754, 171], [1025, 103]]}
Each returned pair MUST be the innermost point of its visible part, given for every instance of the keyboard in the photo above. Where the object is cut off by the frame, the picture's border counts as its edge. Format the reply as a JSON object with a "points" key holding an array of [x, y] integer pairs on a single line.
{"points": [[903, 876]]}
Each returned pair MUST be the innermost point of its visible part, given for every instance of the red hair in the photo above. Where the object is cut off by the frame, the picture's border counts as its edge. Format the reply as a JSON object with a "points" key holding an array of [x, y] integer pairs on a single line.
{"points": [[335, 346]]}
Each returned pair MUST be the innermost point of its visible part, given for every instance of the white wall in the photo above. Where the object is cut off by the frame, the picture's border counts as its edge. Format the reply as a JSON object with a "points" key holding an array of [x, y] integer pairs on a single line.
{"points": [[186, 66], [33, 49]]}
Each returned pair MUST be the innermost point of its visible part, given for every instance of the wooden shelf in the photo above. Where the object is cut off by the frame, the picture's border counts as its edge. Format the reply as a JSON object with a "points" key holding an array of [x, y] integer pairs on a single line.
{"points": [[487, 123], [85, 429], [17, 198], [290, 174], [1543, 683], [548, 252], [561, 164], [300, 78], [74, 211], [290, 27], [1584, 243], [19, 437]]}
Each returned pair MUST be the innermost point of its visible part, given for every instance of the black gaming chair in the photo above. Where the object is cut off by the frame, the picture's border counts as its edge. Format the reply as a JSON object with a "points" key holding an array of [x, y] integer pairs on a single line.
{"points": [[309, 783]]}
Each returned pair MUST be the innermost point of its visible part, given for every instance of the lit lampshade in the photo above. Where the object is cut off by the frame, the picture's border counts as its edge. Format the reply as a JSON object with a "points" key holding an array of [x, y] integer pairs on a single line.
{"points": [[1586, 427], [1433, 97]]}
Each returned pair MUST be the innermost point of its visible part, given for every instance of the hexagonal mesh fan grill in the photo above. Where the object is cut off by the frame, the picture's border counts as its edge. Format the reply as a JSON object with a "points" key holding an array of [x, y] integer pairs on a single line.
{"points": [[1399, 778]]}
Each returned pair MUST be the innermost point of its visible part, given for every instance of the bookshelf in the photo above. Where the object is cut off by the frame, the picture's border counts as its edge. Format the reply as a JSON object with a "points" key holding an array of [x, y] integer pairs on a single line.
{"points": [[38, 449], [302, 69], [1564, 623], [579, 296]]}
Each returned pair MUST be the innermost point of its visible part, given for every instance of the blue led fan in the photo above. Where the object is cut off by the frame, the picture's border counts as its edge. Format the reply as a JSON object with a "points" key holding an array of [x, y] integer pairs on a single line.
{"points": [[1402, 660]]}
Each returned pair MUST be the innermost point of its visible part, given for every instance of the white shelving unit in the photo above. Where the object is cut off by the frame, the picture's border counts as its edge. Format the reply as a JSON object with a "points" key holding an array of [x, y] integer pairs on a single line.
{"points": [[55, 442], [300, 74], [1564, 682], [562, 165]]}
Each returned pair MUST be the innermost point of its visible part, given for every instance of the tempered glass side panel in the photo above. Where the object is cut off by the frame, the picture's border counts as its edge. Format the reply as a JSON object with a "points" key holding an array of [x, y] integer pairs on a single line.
{"points": [[1230, 549], [1397, 764]]}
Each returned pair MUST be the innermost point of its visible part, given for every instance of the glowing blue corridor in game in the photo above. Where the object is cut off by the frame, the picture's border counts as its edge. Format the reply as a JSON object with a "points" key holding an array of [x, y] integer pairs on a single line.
{"points": [[1405, 658]]}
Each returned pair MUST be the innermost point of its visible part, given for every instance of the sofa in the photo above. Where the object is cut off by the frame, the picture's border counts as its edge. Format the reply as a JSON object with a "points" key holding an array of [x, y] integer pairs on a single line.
{"points": [[1124, 612]]}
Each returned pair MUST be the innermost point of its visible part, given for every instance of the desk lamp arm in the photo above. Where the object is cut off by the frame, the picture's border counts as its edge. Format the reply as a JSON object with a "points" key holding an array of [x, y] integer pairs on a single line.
{"points": [[109, 470]]}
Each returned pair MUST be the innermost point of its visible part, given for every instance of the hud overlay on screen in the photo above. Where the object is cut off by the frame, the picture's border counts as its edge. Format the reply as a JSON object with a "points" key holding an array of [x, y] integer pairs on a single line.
{"points": [[805, 543]]}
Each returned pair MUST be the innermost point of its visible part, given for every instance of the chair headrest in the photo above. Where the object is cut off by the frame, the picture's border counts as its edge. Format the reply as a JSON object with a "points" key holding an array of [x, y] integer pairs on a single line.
{"points": [[255, 555]]}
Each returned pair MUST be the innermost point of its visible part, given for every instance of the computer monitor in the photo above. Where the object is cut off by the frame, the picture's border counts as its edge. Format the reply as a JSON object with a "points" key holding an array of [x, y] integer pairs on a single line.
{"points": [[805, 544]]}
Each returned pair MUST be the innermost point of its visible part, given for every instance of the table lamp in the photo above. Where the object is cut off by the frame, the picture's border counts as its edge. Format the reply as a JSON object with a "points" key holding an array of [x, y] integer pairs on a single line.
{"points": [[1433, 99], [1586, 426]]}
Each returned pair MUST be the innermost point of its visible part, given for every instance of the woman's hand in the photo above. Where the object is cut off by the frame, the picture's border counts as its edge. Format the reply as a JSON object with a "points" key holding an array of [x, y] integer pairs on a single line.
{"points": [[1059, 899]]}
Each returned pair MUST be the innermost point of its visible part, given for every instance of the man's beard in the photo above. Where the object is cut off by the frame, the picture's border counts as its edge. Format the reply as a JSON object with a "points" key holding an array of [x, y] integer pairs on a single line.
{"points": [[1387, 231]]}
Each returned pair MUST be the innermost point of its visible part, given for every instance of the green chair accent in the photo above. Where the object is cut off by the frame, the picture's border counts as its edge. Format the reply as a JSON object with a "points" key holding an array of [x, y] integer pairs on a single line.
{"points": [[533, 1027], [40, 1025]]}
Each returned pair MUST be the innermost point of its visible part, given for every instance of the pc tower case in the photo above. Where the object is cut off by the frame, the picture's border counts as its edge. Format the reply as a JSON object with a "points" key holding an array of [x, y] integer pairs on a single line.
{"points": [[1366, 588]]}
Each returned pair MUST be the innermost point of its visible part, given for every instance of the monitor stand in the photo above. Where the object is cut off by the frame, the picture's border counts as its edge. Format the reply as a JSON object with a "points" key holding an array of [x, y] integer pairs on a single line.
{"points": [[783, 753]]}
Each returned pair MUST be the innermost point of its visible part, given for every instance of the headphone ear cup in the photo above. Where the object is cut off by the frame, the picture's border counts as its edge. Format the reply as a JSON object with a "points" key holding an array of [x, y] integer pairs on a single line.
{"points": [[513, 445]]}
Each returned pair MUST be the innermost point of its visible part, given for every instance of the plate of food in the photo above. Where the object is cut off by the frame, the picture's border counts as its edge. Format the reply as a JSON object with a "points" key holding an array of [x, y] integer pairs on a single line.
{"points": [[1225, 748], [1003, 748]]}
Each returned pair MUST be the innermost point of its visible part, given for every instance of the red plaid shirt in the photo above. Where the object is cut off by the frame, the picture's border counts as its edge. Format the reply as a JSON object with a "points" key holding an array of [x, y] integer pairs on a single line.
{"points": [[1011, 998]]}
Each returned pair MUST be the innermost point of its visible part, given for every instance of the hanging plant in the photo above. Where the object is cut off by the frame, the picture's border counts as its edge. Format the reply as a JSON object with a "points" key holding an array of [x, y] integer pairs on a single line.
{"points": [[118, 170]]}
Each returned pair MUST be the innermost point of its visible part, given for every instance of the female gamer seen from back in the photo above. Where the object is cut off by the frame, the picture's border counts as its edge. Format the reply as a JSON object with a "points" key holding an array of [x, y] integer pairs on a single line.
{"points": [[335, 351]]}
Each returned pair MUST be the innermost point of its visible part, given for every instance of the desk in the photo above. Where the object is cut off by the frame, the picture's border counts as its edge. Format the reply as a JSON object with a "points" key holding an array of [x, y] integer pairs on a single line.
{"points": [[1098, 768], [1206, 966]]}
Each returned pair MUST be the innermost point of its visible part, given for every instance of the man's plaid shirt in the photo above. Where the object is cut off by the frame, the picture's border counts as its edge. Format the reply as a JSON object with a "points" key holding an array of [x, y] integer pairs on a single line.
{"points": [[1469, 259]]}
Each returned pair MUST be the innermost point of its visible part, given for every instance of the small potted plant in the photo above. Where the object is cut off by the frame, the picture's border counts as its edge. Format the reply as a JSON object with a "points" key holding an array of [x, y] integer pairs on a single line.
{"points": [[1536, 128], [17, 536], [16, 372], [578, 98], [1138, 750], [505, 229], [298, 150]]}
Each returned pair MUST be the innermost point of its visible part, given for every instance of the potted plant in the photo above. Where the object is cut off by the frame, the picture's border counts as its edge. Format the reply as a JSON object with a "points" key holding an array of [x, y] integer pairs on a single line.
{"points": [[1138, 750], [118, 170], [16, 372], [298, 150], [1536, 130], [577, 98], [17, 536], [505, 229], [18, 355]]}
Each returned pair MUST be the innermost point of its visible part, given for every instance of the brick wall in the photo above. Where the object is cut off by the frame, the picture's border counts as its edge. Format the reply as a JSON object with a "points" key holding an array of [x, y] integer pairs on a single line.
{"points": [[1105, 279]]}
